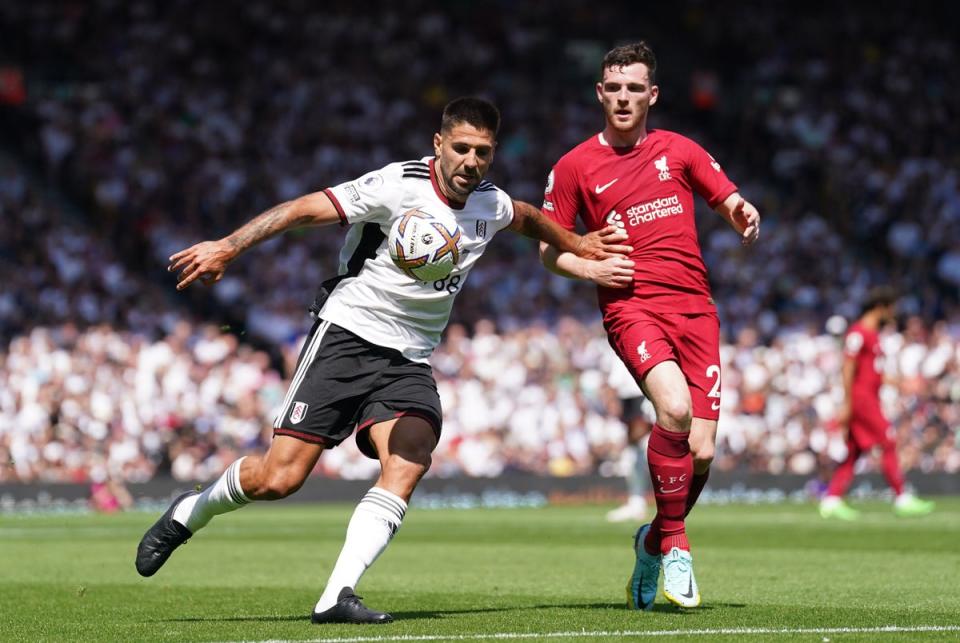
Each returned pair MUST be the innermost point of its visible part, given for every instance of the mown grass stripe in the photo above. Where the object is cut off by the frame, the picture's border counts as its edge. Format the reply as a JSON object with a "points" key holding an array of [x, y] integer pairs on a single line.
{"points": [[725, 631]]}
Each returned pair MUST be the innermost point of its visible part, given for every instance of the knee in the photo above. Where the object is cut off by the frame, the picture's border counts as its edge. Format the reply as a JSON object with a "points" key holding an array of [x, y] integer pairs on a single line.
{"points": [[410, 468], [675, 414]]}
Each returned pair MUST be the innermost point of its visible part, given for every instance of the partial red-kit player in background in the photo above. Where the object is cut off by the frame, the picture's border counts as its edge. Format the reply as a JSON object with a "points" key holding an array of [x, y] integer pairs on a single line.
{"points": [[862, 415], [661, 320]]}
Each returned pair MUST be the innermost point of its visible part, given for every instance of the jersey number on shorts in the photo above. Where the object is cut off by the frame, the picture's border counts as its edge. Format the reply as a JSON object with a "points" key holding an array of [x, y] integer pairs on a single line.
{"points": [[714, 371]]}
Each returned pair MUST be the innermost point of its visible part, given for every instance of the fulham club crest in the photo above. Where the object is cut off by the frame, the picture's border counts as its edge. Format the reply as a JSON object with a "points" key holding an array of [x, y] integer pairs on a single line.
{"points": [[482, 229], [298, 413]]}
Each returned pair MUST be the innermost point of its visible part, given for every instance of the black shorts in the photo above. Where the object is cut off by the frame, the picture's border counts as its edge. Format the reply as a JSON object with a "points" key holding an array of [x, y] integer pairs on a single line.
{"points": [[343, 382]]}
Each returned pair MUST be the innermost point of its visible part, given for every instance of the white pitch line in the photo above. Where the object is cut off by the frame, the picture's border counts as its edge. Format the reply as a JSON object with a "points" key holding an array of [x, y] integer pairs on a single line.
{"points": [[726, 631]]}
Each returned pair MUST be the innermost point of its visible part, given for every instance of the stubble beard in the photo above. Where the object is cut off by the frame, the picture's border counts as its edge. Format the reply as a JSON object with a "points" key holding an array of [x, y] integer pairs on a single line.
{"points": [[630, 126], [454, 188]]}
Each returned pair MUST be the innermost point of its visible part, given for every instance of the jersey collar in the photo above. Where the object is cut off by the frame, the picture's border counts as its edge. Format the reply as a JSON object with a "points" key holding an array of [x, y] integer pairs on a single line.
{"points": [[436, 188]]}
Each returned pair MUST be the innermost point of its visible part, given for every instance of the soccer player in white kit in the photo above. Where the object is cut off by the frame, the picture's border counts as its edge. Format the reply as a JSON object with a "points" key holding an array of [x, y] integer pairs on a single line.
{"points": [[364, 366], [638, 416]]}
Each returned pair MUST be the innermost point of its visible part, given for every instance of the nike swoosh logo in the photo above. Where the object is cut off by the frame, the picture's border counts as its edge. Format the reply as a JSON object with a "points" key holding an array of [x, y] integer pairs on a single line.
{"points": [[715, 406], [662, 490], [601, 188], [689, 593]]}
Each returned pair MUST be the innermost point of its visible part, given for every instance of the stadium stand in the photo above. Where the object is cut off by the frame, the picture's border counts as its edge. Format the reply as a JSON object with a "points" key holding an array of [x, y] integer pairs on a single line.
{"points": [[140, 128]]}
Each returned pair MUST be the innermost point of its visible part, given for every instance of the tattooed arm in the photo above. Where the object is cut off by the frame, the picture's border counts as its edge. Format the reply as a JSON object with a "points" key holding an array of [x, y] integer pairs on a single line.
{"points": [[530, 222], [208, 260]]}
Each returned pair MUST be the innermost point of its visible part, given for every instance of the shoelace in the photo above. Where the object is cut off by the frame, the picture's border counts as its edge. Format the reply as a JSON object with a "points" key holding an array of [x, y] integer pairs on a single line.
{"points": [[679, 563]]}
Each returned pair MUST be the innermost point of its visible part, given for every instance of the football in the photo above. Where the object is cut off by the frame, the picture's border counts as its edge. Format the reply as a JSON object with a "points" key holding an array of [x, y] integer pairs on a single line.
{"points": [[425, 245]]}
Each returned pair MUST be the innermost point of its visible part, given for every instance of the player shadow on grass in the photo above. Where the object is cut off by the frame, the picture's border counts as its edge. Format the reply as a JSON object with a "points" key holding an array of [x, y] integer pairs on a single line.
{"points": [[301, 617], [673, 609], [432, 614], [660, 607], [236, 619]]}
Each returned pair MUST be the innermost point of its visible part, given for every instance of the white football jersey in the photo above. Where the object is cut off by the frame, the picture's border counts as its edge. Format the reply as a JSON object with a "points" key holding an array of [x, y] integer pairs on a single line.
{"points": [[376, 300]]}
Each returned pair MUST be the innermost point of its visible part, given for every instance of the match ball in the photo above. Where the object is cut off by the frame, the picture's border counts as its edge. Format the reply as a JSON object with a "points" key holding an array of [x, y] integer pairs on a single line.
{"points": [[425, 245]]}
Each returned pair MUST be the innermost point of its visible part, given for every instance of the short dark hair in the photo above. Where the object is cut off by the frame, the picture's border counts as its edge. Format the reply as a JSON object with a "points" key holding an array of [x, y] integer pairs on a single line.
{"points": [[877, 297], [478, 112], [624, 55]]}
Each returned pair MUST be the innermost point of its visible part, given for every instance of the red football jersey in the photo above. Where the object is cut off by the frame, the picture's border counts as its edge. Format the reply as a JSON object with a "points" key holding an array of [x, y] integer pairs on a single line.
{"points": [[863, 345], [648, 191]]}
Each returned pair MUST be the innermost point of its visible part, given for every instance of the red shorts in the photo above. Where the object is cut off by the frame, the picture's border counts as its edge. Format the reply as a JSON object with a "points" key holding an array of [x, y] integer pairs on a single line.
{"points": [[644, 339], [868, 428]]}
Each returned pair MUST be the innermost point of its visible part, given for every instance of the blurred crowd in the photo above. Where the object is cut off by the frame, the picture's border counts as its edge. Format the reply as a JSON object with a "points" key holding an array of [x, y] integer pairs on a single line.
{"points": [[178, 121], [79, 406], [141, 128]]}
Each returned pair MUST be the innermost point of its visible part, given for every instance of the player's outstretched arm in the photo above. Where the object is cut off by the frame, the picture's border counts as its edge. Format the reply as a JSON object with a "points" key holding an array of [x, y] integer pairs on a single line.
{"points": [[613, 272], [530, 222], [208, 260], [742, 217]]}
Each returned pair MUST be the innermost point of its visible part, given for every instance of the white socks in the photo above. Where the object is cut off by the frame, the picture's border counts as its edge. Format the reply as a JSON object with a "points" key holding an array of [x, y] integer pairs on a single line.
{"points": [[372, 526], [224, 495], [639, 473]]}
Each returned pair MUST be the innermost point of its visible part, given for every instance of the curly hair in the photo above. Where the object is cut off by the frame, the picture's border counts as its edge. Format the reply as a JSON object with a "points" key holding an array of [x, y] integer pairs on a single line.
{"points": [[638, 52]]}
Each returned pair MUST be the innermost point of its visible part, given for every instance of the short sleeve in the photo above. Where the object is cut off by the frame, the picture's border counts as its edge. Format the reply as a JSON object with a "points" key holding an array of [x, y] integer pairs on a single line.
{"points": [[561, 201], [504, 209], [706, 177], [853, 343], [372, 197]]}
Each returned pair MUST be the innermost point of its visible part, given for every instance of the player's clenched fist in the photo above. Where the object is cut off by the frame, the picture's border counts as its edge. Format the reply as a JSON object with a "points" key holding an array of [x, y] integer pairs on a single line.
{"points": [[604, 243]]}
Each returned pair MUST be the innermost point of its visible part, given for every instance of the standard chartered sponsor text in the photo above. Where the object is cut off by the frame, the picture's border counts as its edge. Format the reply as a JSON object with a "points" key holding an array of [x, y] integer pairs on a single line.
{"points": [[666, 206]]}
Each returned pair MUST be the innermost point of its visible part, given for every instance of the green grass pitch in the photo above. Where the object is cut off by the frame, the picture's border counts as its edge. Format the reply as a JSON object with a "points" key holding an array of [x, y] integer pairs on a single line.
{"points": [[775, 573]]}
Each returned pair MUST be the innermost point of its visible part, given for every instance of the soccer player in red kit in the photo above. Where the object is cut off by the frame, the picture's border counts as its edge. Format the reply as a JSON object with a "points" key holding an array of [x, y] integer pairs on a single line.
{"points": [[662, 322], [867, 428]]}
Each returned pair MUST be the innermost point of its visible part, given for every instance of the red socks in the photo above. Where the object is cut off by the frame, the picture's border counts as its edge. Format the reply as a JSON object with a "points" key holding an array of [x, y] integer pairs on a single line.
{"points": [[891, 468], [671, 469], [843, 475]]}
